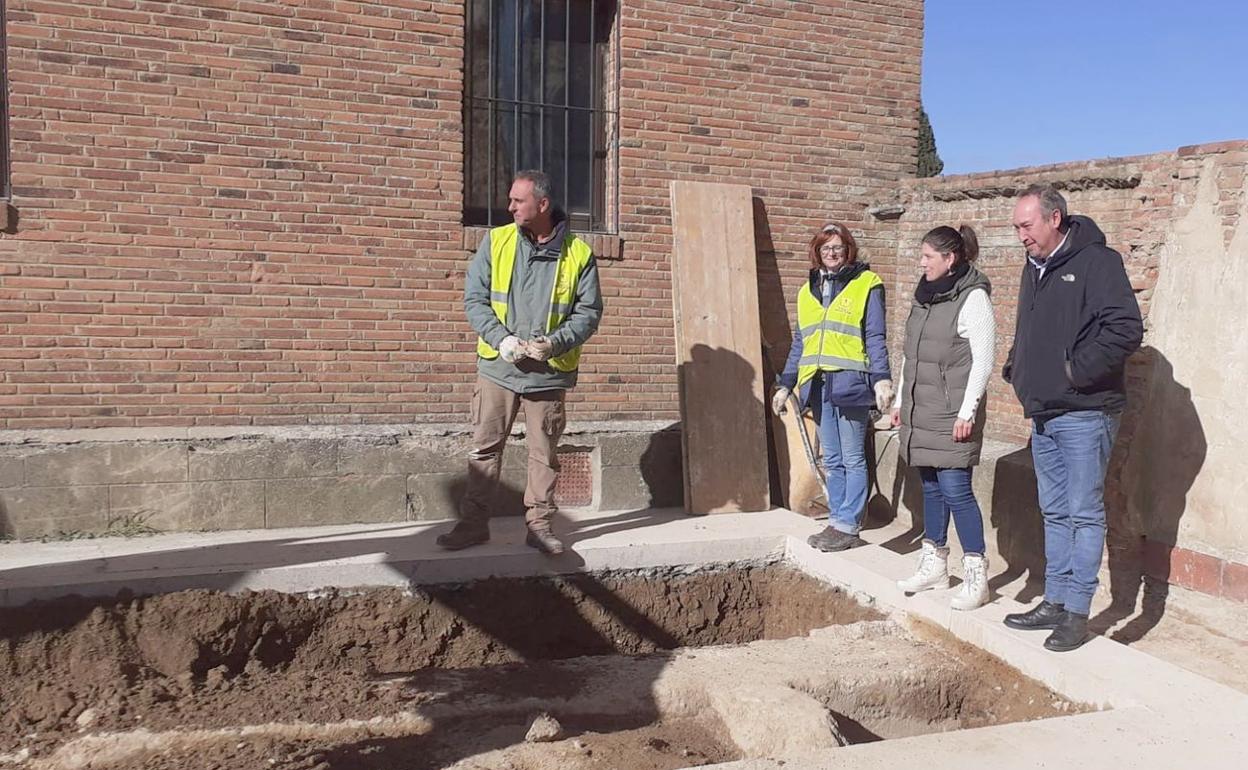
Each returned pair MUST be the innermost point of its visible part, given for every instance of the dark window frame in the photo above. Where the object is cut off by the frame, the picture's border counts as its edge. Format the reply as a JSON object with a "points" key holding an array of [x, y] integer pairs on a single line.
{"points": [[576, 82], [6, 189]]}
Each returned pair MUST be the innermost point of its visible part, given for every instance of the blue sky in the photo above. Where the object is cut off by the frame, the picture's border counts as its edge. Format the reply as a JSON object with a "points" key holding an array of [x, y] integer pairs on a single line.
{"points": [[1009, 83]]}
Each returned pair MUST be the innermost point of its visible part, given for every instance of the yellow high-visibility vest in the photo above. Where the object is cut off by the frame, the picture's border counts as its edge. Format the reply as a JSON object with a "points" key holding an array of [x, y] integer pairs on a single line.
{"points": [[574, 256], [832, 337]]}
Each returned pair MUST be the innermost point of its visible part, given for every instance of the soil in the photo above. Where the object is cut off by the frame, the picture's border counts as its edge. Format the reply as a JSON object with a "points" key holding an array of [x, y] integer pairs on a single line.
{"points": [[200, 659], [441, 677]]}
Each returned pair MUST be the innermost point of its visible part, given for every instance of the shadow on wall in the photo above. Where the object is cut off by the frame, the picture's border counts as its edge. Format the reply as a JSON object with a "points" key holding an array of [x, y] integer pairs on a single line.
{"points": [[1018, 524], [6, 530], [713, 383], [774, 325], [773, 305], [662, 470], [1155, 467], [883, 509]]}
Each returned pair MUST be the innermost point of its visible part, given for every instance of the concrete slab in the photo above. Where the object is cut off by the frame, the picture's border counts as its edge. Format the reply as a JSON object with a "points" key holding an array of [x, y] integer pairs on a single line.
{"points": [[1160, 715]]}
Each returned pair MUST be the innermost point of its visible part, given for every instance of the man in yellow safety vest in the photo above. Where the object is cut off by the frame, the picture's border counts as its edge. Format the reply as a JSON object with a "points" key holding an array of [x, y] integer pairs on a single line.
{"points": [[533, 298]]}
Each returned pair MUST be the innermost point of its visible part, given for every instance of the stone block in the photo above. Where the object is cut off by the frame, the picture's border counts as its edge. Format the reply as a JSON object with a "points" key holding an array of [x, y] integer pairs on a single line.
{"points": [[433, 496], [637, 449], [27, 512], [191, 506], [234, 460], [626, 487], [447, 456], [85, 464], [10, 469], [339, 500], [623, 488]]}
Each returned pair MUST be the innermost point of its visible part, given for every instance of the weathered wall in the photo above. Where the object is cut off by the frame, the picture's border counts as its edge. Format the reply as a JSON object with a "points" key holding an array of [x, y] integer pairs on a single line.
{"points": [[129, 481], [1123, 196], [1184, 475], [1175, 482], [250, 213]]}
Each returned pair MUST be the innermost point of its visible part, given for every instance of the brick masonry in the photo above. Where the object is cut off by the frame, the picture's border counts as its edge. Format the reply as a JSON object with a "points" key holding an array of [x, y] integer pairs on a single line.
{"points": [[244, 214], [237, 213]]}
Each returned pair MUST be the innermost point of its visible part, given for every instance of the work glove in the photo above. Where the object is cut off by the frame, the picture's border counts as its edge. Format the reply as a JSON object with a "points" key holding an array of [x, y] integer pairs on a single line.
{"points": [[512, 349], [540, 348], [779, 401], [884, 395]]}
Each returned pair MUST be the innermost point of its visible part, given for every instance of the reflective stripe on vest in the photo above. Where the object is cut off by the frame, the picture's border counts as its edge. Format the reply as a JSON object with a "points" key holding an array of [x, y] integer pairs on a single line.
{"points": [[832, 338], [573, 258]]}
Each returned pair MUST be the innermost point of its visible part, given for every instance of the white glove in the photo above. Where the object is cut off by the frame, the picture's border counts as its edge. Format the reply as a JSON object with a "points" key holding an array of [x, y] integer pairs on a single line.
{"points": [[884, 395], [511, 349], [779, 401], [540, 348]]}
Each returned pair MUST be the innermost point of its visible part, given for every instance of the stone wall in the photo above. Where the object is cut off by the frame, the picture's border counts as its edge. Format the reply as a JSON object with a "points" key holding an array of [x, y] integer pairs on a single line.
{"points": [[88, 482]]}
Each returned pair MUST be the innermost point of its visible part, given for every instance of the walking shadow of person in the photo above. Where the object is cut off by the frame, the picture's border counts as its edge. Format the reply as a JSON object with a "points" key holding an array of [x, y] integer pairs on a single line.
{"points": [[1160, 451]]}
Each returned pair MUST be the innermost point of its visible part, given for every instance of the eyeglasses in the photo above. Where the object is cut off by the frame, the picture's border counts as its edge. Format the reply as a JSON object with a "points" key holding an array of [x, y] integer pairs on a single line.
{"points": [[828, 248]]}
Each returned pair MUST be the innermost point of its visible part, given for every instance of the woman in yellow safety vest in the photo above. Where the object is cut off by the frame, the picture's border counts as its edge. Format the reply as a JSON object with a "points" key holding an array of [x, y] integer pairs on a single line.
{"points": [[838, 366]]}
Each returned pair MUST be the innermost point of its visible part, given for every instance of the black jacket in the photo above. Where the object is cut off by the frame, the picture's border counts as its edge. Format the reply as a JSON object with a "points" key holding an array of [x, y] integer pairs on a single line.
{"points": [[1076, 327]]}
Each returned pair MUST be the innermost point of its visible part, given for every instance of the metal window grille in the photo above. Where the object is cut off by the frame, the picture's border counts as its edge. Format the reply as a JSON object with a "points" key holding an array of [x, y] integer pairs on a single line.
{"points": [[5, 191], [540, 78]]}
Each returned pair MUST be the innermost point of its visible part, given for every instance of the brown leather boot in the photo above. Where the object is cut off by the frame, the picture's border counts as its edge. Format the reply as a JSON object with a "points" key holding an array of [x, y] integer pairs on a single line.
{"points": [[541, 538], [464, 535]]}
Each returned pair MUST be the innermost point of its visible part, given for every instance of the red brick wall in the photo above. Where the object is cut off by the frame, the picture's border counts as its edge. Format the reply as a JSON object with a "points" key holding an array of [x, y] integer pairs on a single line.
{"points": [[249, 213], [814, 105]]}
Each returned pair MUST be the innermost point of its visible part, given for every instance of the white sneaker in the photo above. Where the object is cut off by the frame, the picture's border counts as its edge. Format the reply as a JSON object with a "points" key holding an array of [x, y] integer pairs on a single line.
{"points": [[933, 570], [974, 591]]}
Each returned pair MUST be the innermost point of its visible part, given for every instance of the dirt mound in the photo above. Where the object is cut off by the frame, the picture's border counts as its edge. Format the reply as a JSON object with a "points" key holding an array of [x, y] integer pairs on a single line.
{"points": [[200, 658]]}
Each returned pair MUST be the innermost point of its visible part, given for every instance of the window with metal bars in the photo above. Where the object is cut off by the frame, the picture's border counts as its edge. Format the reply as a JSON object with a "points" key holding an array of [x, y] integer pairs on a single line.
{"points": [[540, 93], [5, 191]]}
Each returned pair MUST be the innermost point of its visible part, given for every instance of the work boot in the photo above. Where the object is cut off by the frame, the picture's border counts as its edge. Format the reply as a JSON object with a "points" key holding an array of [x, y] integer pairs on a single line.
{"points": [[540, 537], [1046, 614], [464, 535], [974, 591], [933, 571], [832, 539], [1071, 633]]}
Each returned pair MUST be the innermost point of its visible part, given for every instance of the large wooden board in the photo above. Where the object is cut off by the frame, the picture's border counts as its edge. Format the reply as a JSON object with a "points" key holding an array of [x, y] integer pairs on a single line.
{"points": [[718, 348]]}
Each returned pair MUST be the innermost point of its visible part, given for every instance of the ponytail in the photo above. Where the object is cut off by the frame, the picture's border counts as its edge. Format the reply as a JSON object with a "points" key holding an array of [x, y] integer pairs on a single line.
{"points": [[961, 243], [970, 243]]}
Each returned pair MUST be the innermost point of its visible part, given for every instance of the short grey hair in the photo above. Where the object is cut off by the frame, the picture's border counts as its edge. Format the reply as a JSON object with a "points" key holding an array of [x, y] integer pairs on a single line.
{"points": [[1050, 199], [540, 180]]}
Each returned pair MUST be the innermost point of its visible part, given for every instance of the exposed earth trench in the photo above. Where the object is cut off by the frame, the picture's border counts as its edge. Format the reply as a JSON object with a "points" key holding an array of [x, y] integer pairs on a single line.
{"points": [[648, 669]]}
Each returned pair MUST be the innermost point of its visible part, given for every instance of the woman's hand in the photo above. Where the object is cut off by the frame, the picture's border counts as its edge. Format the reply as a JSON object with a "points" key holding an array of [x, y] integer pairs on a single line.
{"points": [[962, 430]]}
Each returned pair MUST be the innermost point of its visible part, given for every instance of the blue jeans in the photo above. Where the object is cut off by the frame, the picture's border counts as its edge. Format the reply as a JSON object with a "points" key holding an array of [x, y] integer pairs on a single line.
{"points": [[843, 440], [948, 491], [1071, 452]]}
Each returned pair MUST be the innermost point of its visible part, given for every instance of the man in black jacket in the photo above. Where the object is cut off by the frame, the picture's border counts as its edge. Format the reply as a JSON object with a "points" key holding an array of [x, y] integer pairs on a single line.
{"points": [[1078, 322]]}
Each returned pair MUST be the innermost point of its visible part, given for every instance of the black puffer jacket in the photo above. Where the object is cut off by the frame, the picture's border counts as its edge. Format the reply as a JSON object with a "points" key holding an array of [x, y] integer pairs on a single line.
{"points": [[1077, 324]]}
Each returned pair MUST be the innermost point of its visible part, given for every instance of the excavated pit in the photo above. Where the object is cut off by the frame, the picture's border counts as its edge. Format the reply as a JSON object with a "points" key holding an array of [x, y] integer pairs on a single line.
{"points": [[647, 669]]}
